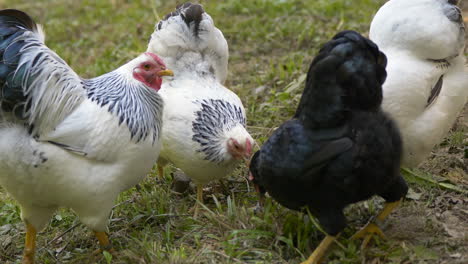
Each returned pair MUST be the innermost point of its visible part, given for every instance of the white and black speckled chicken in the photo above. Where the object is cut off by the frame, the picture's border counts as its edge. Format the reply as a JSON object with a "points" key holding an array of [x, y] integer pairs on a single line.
{"points": [[204, 130], [68, 141], [427, 84]]}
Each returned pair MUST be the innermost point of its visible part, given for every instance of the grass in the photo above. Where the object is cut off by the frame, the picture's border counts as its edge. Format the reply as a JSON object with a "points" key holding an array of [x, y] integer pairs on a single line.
{"points": [[271, 43]]}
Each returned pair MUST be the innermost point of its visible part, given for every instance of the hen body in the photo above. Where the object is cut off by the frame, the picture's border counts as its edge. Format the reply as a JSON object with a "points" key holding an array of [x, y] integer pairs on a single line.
{"points": [[68, 141], [339, 148], [201, 115], [427, 84]]}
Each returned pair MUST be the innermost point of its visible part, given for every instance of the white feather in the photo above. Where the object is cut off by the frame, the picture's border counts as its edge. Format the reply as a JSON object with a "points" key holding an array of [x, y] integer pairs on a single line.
{"points": [[54, 90], [41, 33], [86, 185]]}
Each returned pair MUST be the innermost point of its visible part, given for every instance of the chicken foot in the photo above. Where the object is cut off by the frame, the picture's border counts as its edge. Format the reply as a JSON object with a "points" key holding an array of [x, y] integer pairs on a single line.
{"points": [[373, 226]]}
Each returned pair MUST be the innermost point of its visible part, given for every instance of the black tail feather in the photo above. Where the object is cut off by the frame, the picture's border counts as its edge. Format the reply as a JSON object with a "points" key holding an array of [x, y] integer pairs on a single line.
{"points": [[13, 17], [348, 73], [189, 13], [13, 24]]}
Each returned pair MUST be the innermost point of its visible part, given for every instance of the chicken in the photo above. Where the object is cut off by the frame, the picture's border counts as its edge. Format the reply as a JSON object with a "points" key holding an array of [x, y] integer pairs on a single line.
{"points": [[67, 141], [204, 130], [427, 84], [339, 148]]}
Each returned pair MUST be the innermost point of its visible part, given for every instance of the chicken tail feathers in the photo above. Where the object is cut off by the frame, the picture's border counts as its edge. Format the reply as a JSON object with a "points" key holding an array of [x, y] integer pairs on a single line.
{"points": [[189, 13], [12, 18], [13, 25], [187, 38], [348, 73], [34, 81]]}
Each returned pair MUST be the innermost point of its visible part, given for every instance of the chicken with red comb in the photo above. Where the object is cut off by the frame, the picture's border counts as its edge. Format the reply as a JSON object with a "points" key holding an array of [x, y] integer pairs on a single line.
{"points": [[204, 131]]}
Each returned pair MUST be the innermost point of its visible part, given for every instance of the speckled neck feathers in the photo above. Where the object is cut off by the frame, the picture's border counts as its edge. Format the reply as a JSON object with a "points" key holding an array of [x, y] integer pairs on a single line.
{"points": [[134, 104], [213, 120]]}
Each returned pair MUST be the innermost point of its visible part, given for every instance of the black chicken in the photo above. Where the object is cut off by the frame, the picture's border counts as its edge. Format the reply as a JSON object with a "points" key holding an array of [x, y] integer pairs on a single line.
{"points": [[339, 148]]}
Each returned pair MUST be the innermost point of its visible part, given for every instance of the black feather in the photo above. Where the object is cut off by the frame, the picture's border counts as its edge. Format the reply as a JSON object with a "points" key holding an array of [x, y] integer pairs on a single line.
{"points": [[454, 14], [13, 24], [342, 62], [435, 91], [16, 17]]}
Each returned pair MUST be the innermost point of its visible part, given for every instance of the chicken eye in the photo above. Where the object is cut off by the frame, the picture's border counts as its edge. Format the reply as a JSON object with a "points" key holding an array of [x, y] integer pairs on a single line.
{"points": [[147, 66]]}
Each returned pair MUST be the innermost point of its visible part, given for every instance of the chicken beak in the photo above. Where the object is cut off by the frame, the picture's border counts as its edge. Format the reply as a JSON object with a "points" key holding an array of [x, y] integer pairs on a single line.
{"points": [[165, 72]]}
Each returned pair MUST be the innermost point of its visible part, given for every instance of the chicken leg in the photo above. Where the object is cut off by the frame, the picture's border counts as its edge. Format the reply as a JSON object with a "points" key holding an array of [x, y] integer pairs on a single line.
{"points": [[372, 227], [199, 200], [160, 171], [30, 244], [103, 241], [319, 252]]}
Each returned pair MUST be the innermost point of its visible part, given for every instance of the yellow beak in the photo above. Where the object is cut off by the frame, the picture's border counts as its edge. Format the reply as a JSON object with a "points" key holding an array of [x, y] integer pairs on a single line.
{"points": [[166, 72]]}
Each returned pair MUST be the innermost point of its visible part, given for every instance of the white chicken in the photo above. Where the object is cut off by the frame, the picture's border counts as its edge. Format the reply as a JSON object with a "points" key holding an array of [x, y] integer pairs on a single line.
{"points": [[68, 141], [427, 83], [204, 130]]}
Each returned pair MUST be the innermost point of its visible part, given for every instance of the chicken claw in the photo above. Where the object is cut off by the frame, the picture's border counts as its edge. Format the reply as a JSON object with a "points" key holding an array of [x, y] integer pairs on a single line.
{"points": [[368, 231], [373, 226]]}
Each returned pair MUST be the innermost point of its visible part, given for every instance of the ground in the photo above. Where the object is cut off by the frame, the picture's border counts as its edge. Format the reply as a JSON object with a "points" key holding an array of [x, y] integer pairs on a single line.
{"points": [[271, 44]]}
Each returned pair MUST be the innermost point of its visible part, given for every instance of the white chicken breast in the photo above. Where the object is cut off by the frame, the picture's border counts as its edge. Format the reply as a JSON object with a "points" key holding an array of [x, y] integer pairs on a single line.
{"points": [[427, 83], [68, 141], [204, 130]]}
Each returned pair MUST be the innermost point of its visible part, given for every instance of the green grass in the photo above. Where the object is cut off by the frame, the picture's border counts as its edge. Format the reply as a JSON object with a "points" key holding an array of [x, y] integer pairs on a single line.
{"points": [[271, 44]]}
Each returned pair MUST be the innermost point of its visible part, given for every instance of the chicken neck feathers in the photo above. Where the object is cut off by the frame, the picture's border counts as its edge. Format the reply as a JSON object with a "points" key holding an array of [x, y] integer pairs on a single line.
{"points": [[214, 118]]}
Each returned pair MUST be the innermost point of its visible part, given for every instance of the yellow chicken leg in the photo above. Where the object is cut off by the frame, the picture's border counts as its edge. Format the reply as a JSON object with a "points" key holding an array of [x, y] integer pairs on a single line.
{"points": [[30, 244], [372, 228], [103, 241], [160, 171], [320, 251], [199, 200]]}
